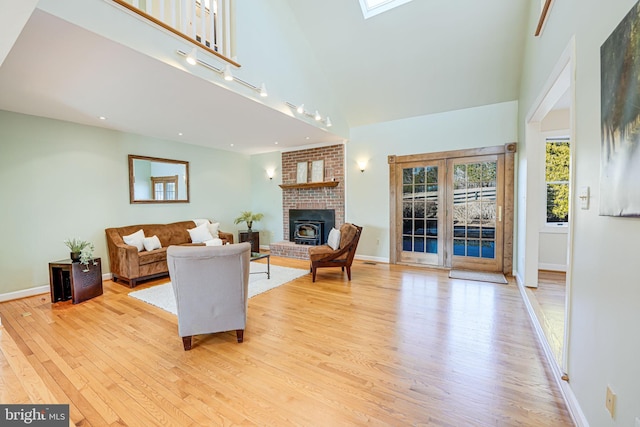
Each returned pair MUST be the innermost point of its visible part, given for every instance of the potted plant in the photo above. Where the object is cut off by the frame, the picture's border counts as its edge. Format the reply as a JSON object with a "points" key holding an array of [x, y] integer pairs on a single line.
{"points": [[86, 255], [248, 217], [81, 251]]}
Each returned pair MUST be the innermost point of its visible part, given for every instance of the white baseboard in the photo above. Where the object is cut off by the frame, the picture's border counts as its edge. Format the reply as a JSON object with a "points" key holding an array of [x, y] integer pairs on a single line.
{"points": [[519, 279], [552, 267], [24, 293], [565, 387], [372, 258], [37, 290]]}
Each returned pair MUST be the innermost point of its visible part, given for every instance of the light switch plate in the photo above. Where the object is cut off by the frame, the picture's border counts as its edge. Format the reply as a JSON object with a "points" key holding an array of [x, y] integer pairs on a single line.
{"points": [[583, 194]]}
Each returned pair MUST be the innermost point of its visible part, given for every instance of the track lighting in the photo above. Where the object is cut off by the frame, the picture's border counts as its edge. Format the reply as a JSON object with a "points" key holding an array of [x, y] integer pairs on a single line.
{"points": [[227, 73], [192, 57], [316, 116]]}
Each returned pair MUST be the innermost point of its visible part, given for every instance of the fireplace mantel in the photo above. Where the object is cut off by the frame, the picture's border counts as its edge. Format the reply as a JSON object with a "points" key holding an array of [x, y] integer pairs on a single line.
{"points": [[311, 185]]}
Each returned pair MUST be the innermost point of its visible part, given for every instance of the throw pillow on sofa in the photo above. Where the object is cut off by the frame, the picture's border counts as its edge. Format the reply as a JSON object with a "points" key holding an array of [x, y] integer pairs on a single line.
{"points": [[136, 239], [151, 243], [200, 234], [213, 229]]}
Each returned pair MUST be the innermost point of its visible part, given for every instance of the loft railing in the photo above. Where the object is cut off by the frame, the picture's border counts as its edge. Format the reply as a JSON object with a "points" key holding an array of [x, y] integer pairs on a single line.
{"points": [[206, 23]]}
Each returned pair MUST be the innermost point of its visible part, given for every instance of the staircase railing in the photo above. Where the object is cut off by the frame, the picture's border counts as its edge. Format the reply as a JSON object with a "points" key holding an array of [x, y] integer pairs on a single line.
{"points": [[206, 23]]}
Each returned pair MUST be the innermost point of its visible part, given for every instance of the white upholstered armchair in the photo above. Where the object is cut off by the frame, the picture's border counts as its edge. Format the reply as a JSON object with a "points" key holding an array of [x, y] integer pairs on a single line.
{"points": [[210, 284]]}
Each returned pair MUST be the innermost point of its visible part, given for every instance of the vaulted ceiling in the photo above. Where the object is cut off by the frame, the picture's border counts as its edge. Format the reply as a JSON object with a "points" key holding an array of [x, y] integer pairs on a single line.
{"points": [[424, 57]]}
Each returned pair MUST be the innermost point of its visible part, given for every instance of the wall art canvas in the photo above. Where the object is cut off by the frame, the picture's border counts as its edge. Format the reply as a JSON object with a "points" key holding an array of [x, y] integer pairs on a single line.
{"points": [[317, 171], [301, 172], [620, 119]]}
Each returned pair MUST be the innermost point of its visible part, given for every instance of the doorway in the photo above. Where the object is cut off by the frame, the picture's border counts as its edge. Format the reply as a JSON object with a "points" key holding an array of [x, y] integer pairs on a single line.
{"points": [[548, 296], [453, 209]]}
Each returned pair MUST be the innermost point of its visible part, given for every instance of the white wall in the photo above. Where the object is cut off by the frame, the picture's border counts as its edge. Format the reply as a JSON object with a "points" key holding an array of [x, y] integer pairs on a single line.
{"points": [[272, 48], [552, 253], [368, 192], [62, 180], [604, 308]]}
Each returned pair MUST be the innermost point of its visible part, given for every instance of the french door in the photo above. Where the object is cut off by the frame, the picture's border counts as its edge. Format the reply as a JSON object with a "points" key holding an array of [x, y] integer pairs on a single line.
{"points": [[449, 211], [422, 225], [474, 213]]}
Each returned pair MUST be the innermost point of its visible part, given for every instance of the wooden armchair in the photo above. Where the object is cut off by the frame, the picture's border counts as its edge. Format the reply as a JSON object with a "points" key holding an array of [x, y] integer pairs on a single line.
{"points": [[325, 256]]}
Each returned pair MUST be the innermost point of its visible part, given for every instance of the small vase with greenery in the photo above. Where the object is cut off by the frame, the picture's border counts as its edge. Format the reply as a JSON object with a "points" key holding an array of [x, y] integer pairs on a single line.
{"points": [[248, 217], [81, 251]]}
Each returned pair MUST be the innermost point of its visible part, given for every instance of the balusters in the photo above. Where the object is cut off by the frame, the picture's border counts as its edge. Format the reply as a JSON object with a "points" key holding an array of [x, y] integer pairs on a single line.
{"points": [[211, 31]]}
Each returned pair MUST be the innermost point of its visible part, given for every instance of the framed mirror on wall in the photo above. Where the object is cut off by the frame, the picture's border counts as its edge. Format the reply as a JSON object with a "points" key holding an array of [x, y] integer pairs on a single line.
{"points": [[156, 180]]}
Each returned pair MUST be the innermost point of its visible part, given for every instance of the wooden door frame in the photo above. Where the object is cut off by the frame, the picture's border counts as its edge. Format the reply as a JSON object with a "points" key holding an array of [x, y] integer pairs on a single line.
{"points": [[509, 150]]}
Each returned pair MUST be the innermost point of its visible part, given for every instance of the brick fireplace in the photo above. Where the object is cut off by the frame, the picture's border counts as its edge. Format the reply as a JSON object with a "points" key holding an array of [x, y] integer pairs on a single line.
{"points": [[327, 194]]}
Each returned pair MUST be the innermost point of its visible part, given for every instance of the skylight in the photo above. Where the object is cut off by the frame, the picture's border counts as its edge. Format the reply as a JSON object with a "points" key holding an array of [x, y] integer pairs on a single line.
{"points": [[373, 7]]}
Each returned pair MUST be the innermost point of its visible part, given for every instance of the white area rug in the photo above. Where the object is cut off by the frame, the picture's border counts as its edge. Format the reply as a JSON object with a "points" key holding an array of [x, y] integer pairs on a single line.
{"points": [[162, 295], [480, 276]]}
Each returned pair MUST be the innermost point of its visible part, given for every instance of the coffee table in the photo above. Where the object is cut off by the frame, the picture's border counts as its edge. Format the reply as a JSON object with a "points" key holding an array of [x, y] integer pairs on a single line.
{"points": [[256, 256]]}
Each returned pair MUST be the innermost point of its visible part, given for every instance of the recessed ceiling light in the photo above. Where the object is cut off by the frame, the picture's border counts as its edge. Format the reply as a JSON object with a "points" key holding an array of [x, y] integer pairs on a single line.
{"points": [[179, 133], [102, 118], [276, 142], [307, 137], [230, 145]]}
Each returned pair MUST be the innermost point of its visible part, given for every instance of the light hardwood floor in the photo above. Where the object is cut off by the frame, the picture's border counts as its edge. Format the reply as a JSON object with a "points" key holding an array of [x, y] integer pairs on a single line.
{"points": [[395, 346], [548, 301]]}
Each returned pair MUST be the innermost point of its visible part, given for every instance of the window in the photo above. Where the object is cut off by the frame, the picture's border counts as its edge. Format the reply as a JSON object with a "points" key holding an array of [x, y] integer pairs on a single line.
{"points": [[557, 158], [165, 187], [373, 7]]}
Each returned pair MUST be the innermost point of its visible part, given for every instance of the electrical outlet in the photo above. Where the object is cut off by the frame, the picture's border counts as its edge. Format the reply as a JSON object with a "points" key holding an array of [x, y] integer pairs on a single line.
{"points": [[610, 402]]}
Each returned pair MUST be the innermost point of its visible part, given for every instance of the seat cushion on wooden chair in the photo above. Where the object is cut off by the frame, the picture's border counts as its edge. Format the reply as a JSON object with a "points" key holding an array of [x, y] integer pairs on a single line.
{"points": [[347, 233], [319, 252]]}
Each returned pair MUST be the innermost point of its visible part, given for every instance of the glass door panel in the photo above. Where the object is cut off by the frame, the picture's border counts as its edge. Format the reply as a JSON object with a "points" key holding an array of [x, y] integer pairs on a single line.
{"points": [[475, 213], [422, 227]]}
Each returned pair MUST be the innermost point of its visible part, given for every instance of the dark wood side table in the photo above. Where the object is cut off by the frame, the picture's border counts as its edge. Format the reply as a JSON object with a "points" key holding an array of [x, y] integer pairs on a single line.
{"points": [[252, 237], [69, 281]]}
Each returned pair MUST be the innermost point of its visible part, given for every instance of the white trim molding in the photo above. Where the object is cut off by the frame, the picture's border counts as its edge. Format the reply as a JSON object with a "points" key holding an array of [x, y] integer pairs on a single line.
{"points": [[565, 387], [24, 293]]}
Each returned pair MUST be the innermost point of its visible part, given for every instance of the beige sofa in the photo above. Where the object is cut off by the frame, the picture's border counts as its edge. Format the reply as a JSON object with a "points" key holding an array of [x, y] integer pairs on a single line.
{"points": [[129, 264]]}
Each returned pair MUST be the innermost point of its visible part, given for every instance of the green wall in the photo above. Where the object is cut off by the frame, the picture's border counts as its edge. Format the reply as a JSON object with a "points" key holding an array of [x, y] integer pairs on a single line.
{"points": [[368, 192], [266, 196], [63, 180]]}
